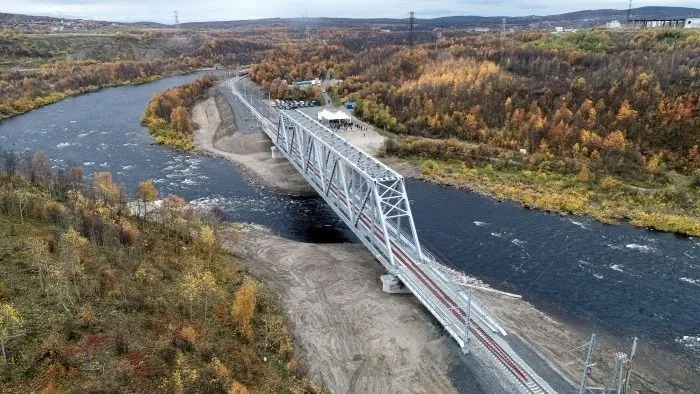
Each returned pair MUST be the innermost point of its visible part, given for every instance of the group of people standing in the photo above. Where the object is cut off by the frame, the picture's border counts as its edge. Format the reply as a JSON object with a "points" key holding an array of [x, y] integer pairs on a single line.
{"points": [[349, 126]]}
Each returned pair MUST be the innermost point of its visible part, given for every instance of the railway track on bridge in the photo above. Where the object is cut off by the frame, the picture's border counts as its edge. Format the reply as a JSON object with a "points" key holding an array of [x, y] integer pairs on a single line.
{"points": [[371, 199]]}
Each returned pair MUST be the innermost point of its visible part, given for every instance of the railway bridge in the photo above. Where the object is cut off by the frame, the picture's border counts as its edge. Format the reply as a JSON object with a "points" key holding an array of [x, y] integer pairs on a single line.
{"points": [[371, 200]]}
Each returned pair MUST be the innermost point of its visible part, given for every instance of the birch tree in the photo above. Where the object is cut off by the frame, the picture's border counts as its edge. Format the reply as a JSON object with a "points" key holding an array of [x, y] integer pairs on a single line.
{"points": [[243, 307], [10, 326], [40, 259]]}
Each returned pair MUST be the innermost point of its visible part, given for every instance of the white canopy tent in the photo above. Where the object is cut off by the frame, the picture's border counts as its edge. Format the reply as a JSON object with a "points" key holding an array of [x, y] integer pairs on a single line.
{"points": [[329, 116]]}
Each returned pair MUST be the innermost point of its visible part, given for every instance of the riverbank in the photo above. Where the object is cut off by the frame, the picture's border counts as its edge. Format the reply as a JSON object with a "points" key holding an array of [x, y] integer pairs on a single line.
{"points": [[553, 192], [355, 338], [25, 105], [217, 132]]}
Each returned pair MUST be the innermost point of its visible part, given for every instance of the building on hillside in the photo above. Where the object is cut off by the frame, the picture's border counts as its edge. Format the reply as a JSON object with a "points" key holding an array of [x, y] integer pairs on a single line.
{"points": [[654, 23], [692, 23], [306, 84], [614, 24]]}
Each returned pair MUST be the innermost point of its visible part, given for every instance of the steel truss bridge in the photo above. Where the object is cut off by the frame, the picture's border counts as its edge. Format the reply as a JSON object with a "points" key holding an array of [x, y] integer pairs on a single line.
{"points": [[371, 199]]}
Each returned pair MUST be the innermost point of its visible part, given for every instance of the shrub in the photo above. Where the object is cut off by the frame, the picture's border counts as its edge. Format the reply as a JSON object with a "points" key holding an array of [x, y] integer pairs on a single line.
{"points": [[188, 334], [243, 307], [608, 182], [237, 388], [120, 343], [86, 316], [128, 235], [56, 212], [584, 175]]}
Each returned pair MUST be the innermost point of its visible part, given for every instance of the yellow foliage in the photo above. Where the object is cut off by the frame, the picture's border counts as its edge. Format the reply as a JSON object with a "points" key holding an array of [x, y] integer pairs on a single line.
{"points": [[105, 187], [608, 182], [653, 164], [584, 175], [147, 191], [206, 241], [10, 324], [86, 316], [626, 112], [237, 388], [188, 334], [243, 307], [220, 368], [615, 140]]}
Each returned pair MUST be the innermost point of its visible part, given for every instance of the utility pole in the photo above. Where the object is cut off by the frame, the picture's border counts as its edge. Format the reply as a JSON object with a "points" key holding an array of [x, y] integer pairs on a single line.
{"points": [[467, 319], [177, 20], [503, 33], [629, 11], [412, 21], [614, 384], [587, 366], [629, 365]]}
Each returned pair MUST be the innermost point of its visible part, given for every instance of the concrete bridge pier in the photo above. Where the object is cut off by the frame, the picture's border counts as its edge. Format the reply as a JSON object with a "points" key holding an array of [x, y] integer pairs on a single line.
{"points": [[393, 285], [275, 153]]}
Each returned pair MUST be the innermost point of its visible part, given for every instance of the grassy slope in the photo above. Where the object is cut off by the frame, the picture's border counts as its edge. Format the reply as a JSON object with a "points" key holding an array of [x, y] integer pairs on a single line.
{"points": [[131, 328]]}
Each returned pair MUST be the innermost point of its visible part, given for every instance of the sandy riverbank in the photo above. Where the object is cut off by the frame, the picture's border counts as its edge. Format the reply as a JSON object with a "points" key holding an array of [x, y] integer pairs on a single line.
{"points": [[351, 336], [217, 133]]}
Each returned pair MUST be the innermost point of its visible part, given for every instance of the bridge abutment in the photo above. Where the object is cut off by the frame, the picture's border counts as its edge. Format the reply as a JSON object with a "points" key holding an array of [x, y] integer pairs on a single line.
{"points": [[393, 285]]}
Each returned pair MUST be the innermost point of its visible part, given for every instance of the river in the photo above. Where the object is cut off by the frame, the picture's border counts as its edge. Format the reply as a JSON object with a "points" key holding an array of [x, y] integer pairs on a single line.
{"points": [[624, 280]]}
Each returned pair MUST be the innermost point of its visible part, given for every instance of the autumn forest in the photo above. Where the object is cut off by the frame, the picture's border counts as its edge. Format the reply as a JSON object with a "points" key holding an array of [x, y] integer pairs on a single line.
{"points": [[617, 111]]}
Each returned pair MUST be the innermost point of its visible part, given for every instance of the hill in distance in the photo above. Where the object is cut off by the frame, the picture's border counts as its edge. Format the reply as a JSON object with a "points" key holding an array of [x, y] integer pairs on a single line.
{"points": [[584, 18]]}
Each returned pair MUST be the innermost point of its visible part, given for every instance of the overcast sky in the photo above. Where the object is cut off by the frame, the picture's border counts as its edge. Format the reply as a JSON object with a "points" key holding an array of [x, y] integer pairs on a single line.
{"points": [[208, 10]]}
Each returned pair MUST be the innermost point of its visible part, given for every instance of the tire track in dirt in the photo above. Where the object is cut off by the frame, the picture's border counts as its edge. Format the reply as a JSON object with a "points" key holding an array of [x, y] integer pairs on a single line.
{"points": [[350, 335]]}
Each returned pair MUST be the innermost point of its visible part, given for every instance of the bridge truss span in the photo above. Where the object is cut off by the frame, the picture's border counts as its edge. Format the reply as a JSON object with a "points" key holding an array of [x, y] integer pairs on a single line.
{"points": [[371, 200]]}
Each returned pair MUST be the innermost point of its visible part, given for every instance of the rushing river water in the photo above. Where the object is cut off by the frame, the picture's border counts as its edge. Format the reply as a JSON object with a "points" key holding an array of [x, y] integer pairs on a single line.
{"points": [[628, 281]]}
